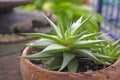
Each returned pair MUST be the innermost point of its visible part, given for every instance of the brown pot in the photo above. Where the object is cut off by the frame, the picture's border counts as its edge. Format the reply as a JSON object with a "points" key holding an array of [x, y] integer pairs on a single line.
{"points": [[34, 72]]}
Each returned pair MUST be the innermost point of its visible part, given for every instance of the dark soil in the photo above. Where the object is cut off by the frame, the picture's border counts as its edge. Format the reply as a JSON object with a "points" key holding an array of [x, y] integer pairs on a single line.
{"points": [[86, 66]]}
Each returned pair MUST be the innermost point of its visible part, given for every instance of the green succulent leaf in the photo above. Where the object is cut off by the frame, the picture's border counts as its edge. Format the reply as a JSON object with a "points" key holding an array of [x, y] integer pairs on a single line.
{"points": [[67, 57], [87, 44], [117, 54], [55, 63], [114, 51], [41, 55], [40, 43], [101, 56], [73, 65], [46, 36], [56, 48], [89, 36], [105, 51], [56, 29], [72, 39], [62, 31], [116, 43], [88, 54], [109, 47], [77, 30], [76, 25]]}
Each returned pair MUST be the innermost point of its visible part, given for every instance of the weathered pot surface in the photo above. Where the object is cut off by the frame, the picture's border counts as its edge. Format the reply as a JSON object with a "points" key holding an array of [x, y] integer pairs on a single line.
{"points": [[34, 72]]}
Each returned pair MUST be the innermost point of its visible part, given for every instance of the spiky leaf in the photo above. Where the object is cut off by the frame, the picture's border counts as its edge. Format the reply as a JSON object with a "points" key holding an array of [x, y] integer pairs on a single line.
{"points": [[55, 63], [101, 56], [55, 48], [41, 55], [87, 54], [76, 25], [56, 29], [67, 57], [72, 39], [116, 43], [41, 43], [89, 36], [80, 26], [73, 65], [87, 44], [46, 36], [114, 51], [117, 54]]}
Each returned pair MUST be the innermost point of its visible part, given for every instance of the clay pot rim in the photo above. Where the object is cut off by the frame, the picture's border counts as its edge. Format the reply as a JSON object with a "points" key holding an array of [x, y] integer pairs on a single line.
{"points": [[28, 62]]}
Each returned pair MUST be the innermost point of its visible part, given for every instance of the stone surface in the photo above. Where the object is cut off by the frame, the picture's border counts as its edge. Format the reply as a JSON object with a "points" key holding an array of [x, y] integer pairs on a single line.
{"points": [[21, 21], [9, 48], [11, 45], [9, 67], [7, 5]]}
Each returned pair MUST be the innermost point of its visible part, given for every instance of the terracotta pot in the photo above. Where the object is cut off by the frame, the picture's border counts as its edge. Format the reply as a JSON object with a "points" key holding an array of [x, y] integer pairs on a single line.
{"points": [[34, 72]]}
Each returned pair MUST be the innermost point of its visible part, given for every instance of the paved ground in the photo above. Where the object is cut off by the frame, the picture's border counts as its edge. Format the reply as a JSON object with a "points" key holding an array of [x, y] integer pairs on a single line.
{"points": [[9, 67], [9, 61]]}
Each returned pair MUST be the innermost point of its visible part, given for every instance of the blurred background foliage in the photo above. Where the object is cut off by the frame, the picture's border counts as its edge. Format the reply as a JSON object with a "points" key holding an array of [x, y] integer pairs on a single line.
{"points": [[68, 10]]}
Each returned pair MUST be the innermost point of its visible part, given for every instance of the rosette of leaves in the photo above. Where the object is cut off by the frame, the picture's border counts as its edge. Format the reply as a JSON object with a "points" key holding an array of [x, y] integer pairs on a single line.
{"points": [[70, 45]]}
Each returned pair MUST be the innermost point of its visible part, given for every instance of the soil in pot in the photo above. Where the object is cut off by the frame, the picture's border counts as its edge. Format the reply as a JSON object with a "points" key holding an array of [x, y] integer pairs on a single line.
{"points": [[85, 65]]}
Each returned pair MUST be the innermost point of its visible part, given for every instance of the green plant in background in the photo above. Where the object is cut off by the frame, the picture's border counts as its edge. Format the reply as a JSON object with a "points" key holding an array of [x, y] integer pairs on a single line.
{"points": [[67, 10], [71, 45], [45, 4]]}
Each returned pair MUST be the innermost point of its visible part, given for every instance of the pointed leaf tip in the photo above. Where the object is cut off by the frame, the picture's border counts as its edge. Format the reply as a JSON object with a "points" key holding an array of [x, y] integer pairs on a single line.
{"points": [[56, 29], [76, 24], [80, 25]]}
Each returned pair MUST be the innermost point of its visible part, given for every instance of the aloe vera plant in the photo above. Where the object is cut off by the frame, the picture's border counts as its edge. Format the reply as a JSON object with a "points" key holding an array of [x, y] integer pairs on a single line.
{"points": [[68, 46]]}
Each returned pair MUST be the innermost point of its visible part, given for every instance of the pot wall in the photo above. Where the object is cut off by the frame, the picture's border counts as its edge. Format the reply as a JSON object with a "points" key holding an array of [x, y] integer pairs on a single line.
{"points": [[32, 72]]}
